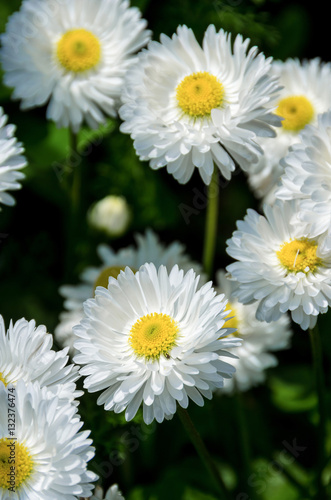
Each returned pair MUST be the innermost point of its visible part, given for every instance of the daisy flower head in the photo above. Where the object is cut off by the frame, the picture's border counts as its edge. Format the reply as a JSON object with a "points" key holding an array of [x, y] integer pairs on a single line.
{"points": [[307, 177], [26, 354], [49, 450], [259, 338], [113, 493], [153, 339], [11, 160], [148, 249], [188, 106], [71, 55], [280, 265], [304, 95]]}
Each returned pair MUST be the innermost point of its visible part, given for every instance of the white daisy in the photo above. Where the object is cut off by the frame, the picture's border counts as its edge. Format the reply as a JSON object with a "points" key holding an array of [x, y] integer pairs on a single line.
{"points": [[187, 106], [281, 266], [113, 493], [73, 55], [305, 94], [308, 177], [258, 337], [155, 340], [11, 160], [26, 354], [49, 453], [148, 249]]}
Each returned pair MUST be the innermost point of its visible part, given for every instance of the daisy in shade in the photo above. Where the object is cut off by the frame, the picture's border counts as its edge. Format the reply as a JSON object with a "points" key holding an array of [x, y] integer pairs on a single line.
{"points": [[259, 338], [307, 178], [154, 339], [51, 453], [280, 265], [11, 161], [148, 249], [305, 94], [113, 493], [71, 55], [188, 106], [26, 354]]}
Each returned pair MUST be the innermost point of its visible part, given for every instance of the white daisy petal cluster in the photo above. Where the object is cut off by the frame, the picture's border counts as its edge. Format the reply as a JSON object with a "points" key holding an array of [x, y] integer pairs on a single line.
{"points": [[153, 339], [188, 106], [26, 354], [305, 94], [259, 338], [71, 55], [113, 493], [148, 249], [11, 161], [281, 265], [307, 178], [50, 451]]}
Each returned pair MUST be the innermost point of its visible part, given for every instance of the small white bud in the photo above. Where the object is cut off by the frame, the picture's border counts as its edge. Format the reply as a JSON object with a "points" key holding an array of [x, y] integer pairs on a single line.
{"points": [[111, 215]]}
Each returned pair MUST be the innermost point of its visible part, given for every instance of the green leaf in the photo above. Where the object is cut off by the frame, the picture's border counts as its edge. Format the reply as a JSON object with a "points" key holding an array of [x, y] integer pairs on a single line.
{"points": [[293, 389]]}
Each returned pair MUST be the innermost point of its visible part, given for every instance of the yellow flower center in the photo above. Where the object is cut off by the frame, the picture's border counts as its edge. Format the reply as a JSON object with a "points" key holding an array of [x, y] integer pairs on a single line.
{"points": [[102, 279], [153, 335], [199, 93], [16, 464], [2, 379], [297, 112], [78, 50], [233, 322], [299, 256]]}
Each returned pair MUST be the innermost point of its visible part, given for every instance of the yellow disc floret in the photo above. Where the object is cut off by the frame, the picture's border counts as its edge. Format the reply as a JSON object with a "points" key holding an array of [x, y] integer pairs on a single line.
{"points": [[2, 379], [233, 321], [297, 112], [199, 93], [299, 256], [16, 464], [153, 335], [78, 50], [102, 279]]}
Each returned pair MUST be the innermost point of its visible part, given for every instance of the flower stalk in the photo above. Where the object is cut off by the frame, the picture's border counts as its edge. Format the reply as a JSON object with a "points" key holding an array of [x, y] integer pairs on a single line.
{"points": [[211, 224], [316, 347], [202, 451]]}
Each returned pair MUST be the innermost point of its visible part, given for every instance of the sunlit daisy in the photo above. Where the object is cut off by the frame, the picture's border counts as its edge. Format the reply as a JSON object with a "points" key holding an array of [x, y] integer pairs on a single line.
{"points": [[11, 161], [280, 265], [308, 178], [305, 94], [26, 354], [188, 106], [71, 55], [153, 339], [113, 493], [259, 338], [148, 249], [49, 452]]}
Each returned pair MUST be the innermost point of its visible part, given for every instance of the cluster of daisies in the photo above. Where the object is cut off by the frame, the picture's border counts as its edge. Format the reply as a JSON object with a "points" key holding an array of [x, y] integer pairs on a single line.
{"points": [[147, 327], [38, 400], [284, 256]]}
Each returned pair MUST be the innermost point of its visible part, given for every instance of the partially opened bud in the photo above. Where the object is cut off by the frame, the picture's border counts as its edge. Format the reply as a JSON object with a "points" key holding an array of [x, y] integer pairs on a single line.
{"points": [[111, 215]]}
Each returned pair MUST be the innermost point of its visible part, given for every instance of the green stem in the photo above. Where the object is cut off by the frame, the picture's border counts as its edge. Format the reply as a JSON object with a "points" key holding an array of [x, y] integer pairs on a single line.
{"points": [[211, 224], [74, 178], [245, 450], [76, 172], [320, 389], [202, 451]]}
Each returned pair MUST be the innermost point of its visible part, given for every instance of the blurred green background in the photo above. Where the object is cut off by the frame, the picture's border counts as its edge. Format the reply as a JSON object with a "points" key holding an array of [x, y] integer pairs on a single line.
{"points": [[158, 462]]}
